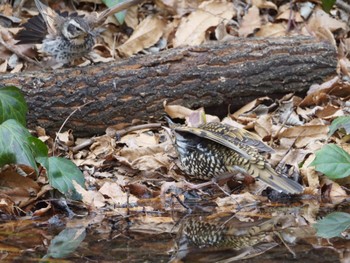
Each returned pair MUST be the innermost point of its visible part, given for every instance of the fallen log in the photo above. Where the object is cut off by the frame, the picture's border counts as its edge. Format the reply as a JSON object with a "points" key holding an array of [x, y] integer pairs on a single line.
{"points": [[133, 90]]}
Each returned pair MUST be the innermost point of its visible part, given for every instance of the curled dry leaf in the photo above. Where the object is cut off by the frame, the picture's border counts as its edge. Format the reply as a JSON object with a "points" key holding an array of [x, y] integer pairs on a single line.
{"points": [[250, 106], [193, 28], [91, 198], [19, 188], [193, 117], [176, 111], [337, 194], [310, 175], [66, 137]]}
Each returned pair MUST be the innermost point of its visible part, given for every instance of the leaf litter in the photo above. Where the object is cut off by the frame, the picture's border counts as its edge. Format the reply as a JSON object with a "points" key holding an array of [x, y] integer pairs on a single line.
{"points": [[134, 182], [137, 177]]}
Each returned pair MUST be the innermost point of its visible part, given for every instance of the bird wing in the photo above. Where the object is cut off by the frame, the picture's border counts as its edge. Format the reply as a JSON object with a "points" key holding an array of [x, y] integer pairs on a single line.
{"points": [[238, 135], [278, 182], [216, 137], [52, 19], [34, 31]]}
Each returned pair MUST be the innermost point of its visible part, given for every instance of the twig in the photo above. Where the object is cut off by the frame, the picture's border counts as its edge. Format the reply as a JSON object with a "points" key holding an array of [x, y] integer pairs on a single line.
{"points": [[122, 132], [82, 145], [64, 123]]}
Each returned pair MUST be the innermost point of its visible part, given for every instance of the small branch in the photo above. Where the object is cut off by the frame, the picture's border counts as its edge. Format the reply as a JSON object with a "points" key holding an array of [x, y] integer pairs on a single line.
{"points": [[65, 121]]}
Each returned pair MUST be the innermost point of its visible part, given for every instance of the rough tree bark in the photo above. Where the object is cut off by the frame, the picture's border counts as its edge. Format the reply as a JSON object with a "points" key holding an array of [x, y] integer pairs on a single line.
{"points": [[211, 75]]}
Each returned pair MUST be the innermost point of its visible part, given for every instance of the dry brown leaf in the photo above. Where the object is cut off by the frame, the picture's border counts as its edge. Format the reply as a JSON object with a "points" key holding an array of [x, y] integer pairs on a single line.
{"points": [[146, 34], [263, 126], [286, 15], [249, 107], [140, 139], [19, 188], [103, 146], [66, 137], [193, 28], [304, 131], [319, 94], [329, 112], [221, 33], [116, 194], [134, 153], [131, 17], [177, 7], [312, 210], [337, 194], [153, 225], [321, 19], [323, 25], [310, 175], [17, 68], [90, 198], [250, 23], [89, 162], [240, 199], [152, 162], [176, 111], [306, 141], [3, 67], [263, 4], [272, 30], [193, 117], [344, 66], [294, 157]]}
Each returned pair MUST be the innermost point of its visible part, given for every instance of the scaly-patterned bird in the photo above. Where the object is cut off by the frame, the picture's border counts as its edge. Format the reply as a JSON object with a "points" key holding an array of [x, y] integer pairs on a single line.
{"points": [[201, 233], [212, 149]]}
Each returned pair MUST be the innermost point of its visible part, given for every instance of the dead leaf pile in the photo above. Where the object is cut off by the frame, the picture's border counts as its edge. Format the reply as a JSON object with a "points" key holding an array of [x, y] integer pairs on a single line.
{"points": [[166, 24]]}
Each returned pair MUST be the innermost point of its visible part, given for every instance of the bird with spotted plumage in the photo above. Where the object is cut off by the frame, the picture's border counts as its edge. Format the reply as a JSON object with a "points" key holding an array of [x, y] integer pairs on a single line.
{"points": [[212, 149], [65, 36]]}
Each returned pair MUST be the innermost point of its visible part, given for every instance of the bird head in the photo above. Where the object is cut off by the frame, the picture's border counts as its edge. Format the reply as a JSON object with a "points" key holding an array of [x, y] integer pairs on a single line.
{"points": [[76, 30]]}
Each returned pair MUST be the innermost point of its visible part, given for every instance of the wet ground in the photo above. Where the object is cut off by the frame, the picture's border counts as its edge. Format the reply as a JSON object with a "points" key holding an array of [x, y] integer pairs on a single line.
{"points": [[142, 237]]}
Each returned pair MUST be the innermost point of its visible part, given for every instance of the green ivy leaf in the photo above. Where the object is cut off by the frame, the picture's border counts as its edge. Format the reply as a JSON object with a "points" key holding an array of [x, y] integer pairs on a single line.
{"points": [[338, 123], [327, 5], [12, 105], [333, 225], [16, 144], [39, 148], [120, 16], [61, 173], [65, 243], [332, 161]]}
